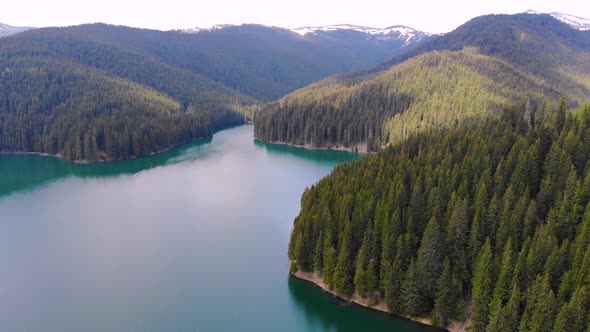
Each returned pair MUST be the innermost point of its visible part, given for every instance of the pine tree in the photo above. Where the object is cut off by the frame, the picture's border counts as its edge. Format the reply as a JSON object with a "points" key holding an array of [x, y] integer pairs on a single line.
{"points": [[429, 263], [372, 277], [329, 260], [545, 308], [318, 261], [574, 314], [481, 287], [343, 276], [412, 300], [446, 295], [504, 318], [502, 289]]}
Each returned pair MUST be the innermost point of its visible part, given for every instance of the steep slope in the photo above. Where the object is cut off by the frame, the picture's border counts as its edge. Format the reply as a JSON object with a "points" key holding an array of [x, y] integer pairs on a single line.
{"points": [[493, 215], [262, 62], [437, 88], [77, 98], [495, 60], [85, 114], [539, 44], [209, 80]]}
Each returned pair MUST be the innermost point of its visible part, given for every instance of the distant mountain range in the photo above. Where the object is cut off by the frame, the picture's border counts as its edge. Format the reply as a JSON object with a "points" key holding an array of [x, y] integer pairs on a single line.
{"points": [[6, 30], [470, 73], [103, 92], [396, 33]]}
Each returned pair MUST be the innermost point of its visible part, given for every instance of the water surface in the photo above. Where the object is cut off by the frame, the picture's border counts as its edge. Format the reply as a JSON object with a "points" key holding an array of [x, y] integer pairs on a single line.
{"points": [[194, 239]]}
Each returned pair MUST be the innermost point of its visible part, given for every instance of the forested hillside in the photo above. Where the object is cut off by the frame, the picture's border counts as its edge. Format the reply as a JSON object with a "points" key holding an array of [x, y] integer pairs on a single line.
{"points": [[472, 72], [97, 92], [81, 113], [108, 104], [262, 62], [494, 215]]}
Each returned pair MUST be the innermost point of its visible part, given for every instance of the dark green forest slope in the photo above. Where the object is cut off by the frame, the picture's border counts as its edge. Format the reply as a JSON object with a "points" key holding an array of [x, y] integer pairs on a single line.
{"points": [[262, 62], [97, 92], [472, 72], [81, 113], [495, 213]]}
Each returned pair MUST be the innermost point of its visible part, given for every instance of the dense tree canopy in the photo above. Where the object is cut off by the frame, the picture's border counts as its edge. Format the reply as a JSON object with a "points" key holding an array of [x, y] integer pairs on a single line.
{"points": [[81, 113], [97, 92], [495, 212], [469, 73]]}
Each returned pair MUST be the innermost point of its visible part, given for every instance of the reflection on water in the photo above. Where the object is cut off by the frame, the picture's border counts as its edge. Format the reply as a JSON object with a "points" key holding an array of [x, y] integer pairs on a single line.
{"points": [[314, 155], [325, 312], [25, 172]]}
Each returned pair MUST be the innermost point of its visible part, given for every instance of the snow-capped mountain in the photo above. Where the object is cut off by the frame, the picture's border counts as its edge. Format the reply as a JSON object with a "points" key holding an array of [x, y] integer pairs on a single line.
{"points": [[209, 28], [397, 32], [393, 33], [574, 21], [6, 29]]}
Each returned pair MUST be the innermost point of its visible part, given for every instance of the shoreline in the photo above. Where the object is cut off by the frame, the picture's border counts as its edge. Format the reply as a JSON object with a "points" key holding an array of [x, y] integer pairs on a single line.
{"points": [[312, 277], [361, 147], [104, 161]]}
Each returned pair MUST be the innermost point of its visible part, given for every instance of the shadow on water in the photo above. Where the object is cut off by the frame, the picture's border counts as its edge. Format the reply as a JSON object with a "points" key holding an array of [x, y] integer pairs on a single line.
{"points": [[319, 156], [328, 313], [25, 172]]}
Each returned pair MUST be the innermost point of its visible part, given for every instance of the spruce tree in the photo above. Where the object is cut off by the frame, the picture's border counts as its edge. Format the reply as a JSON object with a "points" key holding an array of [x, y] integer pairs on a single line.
{"points": [[446, 295], [343, 276], [412, 300], [482, 283], [429, 263], [574, 314]]}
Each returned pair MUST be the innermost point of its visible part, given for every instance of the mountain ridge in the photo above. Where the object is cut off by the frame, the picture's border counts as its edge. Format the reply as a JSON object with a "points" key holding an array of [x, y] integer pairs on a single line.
{"points": [[402, 33], [576, 22], [534, 55]]}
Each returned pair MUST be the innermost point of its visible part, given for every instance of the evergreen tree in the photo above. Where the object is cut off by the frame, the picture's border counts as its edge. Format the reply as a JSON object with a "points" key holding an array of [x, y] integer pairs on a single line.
{"points": [[429, 263], [412, 300], [343, 277], [481, 287], [574, 314], [446, 296]]}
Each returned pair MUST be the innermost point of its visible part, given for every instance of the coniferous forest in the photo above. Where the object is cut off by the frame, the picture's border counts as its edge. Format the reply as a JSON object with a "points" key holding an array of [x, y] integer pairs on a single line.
{"points": [[493, 216], [469, 73], [474, 206], [97, 92]]}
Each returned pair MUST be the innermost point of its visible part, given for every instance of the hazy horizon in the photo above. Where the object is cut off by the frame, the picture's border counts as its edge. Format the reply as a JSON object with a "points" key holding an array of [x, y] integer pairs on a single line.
{"points": [[430, 16]]}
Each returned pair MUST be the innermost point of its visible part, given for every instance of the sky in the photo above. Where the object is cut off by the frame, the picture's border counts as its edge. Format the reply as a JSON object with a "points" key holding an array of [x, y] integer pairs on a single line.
{"points": [[432, 16]]}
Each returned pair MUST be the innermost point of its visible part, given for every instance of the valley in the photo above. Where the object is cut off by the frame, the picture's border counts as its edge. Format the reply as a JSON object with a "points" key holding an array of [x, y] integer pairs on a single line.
{"points": [[210, 178]]}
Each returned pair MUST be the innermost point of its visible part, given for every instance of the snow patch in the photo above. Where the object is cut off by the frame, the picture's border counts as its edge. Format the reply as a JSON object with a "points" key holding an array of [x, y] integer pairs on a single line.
{"points": [[572, 20], [396, 32]]}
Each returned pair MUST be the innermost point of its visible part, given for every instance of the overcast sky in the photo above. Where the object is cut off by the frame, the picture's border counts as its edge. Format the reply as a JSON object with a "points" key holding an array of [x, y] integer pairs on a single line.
{"points": [[432, 16]]}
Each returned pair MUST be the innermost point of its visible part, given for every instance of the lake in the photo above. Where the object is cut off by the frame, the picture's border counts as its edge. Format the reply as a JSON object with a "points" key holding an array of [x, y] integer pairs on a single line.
{"points": [[193, 239]]}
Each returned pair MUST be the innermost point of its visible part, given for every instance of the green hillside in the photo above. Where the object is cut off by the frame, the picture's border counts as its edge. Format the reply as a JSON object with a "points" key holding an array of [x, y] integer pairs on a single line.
{"points": [[82, 113], [262, 62], [494, 215], [487, 68], [425, 92], [97, 92]]}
